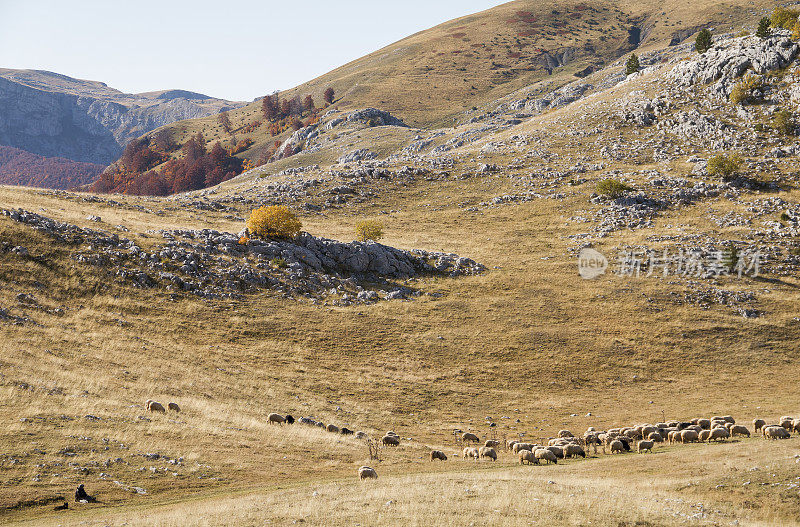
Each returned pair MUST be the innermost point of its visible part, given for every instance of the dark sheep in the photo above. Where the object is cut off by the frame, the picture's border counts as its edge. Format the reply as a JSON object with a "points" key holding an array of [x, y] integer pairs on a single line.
{"points": [[289, 420], [347, 432]]}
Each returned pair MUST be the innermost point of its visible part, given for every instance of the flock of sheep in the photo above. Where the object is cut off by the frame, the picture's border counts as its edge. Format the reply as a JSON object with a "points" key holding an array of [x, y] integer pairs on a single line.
{"points": [[566, 445]]}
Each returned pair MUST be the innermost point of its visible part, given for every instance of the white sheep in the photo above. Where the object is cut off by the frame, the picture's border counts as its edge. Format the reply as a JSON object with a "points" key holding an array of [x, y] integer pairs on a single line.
{"points": [[546, 455], [367, 473], [487, 452], [643, 446], [276, 418], [527, 455]]}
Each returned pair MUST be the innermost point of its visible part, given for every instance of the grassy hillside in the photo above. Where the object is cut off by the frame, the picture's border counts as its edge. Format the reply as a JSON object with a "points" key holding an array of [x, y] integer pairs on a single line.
{"points": [[527, 345], [431, 78]]}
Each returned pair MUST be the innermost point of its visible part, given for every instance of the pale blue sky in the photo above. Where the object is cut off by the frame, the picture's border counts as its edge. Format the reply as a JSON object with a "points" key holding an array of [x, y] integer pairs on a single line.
{"points": [[236, 50]]}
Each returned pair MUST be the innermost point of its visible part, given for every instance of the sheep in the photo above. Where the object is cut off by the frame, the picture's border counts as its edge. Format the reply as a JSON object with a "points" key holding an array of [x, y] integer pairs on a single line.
{"points": [[726, 418], [510, 444], [289, 419], [565, 433], [156, 407], [147, 404], [367, 473], [173, 407], [438, 454], [527, 455], [705, 424], [739, 430], [390, 440], [758, 424], [655, 437], [643, 446], [775, 432], [492, 443], [689, 436], [787, 423], [276, 418], [332, 429], [719, 433], [544, 454], [307, 421], [573, 450], [468, 436], [487, 452], [470, 452], [320, 424], [521, 446], [647, 430], [347, 432], [704, 435], [557, 451], [616, 446], [796, 425]]}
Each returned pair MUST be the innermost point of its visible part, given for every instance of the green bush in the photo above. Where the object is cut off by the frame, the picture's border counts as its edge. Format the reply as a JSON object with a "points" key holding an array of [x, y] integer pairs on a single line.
{"points": [[763, 31], [724, 166], [704, 41], [613, 188], [784, 122], [278, 263], [632, 66]]}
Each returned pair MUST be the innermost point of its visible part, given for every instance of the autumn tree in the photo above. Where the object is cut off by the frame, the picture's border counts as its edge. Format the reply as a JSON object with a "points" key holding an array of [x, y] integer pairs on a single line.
{"points": [[328, 95], [195, 148], [308, 103], [224, 121], [269, 105]]}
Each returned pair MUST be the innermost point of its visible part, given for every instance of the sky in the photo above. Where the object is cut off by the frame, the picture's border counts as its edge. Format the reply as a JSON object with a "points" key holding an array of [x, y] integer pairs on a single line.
{"points": [[235, 50]]}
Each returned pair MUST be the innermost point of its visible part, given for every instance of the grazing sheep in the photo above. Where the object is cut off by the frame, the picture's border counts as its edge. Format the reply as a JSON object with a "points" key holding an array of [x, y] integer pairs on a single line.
{"points": [[647, 430], [643, 446], [775, 432], [758, 424], [705, 424], [787, 423], [390, 440], [347, 432], [739, 430], [616, 446], [546, 455], [367, 473], [521, 446], [320, 424], [289, 419], [565, 433], [470, 452], [689, 436], [492, 443], [276, 418], [486, 451], [156, 407], [332, 428], [361, 435], [510, 444], [655, 437], [468, 436], [527, 455], [173, 407], [307, 421], [573, 450], [704, 435], [557, 451], [438, 454], [796, 425]]}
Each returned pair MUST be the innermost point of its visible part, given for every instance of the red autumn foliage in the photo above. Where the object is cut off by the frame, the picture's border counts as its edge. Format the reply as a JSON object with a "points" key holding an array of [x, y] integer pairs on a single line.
{"points": [[20, 167]]}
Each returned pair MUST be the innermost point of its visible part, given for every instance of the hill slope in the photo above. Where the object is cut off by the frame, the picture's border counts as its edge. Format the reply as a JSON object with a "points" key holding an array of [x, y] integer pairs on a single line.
{"points": [[18, 167], [106, 303], [438, 76]]}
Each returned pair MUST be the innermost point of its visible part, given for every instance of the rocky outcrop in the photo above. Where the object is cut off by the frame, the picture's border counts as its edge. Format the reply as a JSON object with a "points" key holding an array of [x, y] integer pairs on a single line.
{"points": [[728, 60], [214, 264]]}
